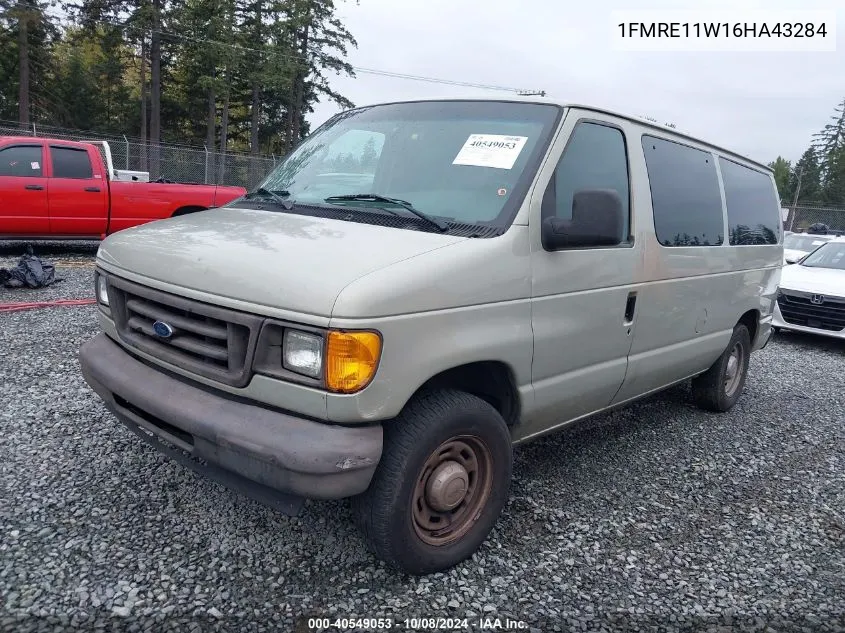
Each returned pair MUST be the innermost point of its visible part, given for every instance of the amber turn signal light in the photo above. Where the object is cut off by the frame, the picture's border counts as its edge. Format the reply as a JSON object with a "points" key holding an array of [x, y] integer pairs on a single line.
{"points": [[351, 360]]}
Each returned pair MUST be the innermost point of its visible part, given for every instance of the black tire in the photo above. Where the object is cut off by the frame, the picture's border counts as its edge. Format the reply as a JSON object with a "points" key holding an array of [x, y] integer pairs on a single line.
{"points": [[187, 210], [714, 390], [386, 513]]}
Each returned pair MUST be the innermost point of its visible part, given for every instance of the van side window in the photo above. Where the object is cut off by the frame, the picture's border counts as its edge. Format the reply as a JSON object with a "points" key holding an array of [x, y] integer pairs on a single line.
{"points": [[70, 162], [685, 194], [753, 206], [594, 158]]}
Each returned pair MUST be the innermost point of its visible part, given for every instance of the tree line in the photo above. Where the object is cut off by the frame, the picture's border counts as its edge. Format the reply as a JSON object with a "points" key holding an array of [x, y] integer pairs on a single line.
{"points": [[227, 74], [818, 177]]}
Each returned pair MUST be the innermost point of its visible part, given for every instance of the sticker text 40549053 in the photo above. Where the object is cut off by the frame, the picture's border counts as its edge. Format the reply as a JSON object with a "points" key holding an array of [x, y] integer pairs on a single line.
{"points": [[494, 144], [490, 150]]}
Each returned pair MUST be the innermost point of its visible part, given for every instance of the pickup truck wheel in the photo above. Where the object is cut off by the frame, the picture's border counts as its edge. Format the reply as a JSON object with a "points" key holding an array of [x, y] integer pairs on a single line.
{"points": [[186, 211], [719, 388], [441, 484]]}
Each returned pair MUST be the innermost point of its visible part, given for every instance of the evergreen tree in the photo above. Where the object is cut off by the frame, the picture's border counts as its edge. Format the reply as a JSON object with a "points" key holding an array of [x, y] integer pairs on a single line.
{"points": [[808, 171], [833, 192], [782, 169], [369, 156], [229, 74], [319, 40], [25, 60], [830, 144]]}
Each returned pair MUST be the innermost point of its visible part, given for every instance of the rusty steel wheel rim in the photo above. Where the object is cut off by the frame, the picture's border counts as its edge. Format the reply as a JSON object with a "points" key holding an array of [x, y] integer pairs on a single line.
{"points": [[734, 369], [452, 489]]}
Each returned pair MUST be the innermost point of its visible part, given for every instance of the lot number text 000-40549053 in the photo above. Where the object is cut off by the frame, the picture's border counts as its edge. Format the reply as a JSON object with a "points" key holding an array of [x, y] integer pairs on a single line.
{"points": [[415, 623]]}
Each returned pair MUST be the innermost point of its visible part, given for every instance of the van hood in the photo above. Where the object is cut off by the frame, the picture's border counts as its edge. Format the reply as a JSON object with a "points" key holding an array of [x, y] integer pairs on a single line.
{"points": [[827, 281], [276, 259]]}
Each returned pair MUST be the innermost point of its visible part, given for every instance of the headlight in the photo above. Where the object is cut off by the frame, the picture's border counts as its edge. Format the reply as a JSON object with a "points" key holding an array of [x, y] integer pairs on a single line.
{"points": [[303, 353], [102, 290], [339, 361]]}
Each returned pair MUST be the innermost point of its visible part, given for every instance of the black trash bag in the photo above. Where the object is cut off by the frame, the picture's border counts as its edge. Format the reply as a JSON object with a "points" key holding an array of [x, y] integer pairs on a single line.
{"points": [[31, 272], [819, 228]]}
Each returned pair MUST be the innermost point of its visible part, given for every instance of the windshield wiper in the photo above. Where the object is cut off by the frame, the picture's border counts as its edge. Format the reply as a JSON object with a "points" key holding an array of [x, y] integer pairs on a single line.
{"points": [[278, 196], [364, 197]]}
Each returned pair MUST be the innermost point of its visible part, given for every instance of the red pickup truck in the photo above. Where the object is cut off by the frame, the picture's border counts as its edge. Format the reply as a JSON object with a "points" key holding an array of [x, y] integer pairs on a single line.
{"points": [[57, 189]]}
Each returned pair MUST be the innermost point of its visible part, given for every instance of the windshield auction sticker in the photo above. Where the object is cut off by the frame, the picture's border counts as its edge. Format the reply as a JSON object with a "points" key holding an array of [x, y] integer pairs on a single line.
{"points": [[490, 150]]}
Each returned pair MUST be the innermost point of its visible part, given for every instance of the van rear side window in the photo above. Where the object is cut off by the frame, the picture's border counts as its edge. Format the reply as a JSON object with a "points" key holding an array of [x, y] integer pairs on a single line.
{"points": [[753, 207], [685, 194]]}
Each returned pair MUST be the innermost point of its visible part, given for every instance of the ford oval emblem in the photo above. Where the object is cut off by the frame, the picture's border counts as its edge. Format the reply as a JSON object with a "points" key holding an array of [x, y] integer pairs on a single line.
{"points": [[162, 329]]}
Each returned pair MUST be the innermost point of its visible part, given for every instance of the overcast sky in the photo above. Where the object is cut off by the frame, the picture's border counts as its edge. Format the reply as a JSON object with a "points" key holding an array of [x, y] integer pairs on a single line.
{"points": [[759, 104]]}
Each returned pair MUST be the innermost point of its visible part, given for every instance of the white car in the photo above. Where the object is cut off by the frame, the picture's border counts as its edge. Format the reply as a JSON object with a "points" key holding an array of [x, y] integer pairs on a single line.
{"points": [[811, 296], [797, 245]]}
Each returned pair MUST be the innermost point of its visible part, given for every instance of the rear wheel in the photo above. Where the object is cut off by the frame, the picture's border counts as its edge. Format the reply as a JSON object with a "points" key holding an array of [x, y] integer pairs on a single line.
{"points": [[441, 484], [719, 388]]}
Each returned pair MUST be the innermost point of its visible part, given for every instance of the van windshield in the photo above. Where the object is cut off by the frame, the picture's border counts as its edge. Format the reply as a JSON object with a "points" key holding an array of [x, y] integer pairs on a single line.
{"points": [[463, 162]]}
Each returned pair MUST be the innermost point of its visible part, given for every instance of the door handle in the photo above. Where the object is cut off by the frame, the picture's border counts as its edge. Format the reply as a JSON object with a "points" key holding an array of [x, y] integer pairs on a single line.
{"points": [[630, 309], [92, 189], [34, 187]]}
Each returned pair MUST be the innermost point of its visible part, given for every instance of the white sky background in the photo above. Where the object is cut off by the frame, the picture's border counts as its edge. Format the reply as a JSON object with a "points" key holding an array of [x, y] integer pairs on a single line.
{"points": [[758, 104]]}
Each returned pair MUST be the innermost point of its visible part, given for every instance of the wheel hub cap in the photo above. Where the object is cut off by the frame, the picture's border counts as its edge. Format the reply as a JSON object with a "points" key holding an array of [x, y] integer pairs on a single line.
{"points": [[453, 487], [733, 370], [732, 365], [447, 486]]}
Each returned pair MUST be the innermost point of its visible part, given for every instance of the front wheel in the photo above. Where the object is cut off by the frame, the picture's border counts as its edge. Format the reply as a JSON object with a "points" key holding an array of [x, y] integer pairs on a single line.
{"points": [[441, 484], [719, 388]]}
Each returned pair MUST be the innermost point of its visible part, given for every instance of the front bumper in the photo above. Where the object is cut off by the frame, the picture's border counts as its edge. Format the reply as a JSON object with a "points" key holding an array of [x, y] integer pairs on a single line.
{"points": [[274, 457], [778, 322], [764, 334]]}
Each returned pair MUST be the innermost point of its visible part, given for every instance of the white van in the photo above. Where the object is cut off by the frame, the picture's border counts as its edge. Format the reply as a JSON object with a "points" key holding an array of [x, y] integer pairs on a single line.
{"points": [[421, 285]]}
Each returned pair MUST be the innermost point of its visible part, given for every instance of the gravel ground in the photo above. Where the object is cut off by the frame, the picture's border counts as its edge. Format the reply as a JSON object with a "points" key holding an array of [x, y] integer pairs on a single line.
{"points": [[656, 517]]}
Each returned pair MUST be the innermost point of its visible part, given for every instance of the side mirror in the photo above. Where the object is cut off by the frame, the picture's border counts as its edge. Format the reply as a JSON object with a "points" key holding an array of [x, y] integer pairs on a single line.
{"points": [[597, 220]]}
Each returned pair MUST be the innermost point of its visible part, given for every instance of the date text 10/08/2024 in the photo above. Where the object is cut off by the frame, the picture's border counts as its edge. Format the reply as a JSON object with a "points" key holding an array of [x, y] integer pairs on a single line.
{"points": [[414, 624], [722, 29]]}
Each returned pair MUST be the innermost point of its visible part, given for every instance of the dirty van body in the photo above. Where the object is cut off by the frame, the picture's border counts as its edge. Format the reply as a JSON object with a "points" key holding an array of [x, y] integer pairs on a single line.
{"points": [[419, 287]]}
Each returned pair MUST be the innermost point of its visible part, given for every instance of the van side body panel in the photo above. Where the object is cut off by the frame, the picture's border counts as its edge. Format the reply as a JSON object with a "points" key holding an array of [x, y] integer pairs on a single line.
{"points": [[692, 296], [688, 300], [464, 303], [579, 297]]}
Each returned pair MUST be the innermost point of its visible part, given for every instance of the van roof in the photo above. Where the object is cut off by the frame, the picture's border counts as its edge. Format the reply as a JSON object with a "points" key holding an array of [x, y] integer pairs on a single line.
{"points": [[569, 104]]}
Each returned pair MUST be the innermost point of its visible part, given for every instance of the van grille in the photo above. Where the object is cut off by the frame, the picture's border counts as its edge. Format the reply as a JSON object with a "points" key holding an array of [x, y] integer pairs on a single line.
{"points": [[207, 340], [799, 309]]}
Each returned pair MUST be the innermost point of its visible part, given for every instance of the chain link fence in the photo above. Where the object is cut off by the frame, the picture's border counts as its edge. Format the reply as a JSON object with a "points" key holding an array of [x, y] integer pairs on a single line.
{"points": [[803, 216], [179, 163]]}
